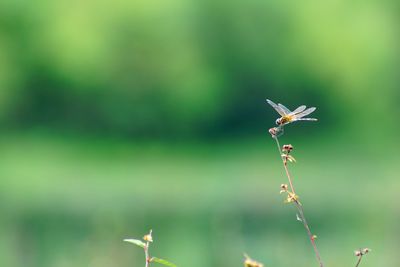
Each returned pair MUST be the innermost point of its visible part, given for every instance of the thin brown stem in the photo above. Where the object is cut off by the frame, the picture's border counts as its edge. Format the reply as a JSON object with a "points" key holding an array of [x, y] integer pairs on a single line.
{"points": [[310, 235], [359, 260], [146, 253], [148, 238], [300, 208], [285, 165]]}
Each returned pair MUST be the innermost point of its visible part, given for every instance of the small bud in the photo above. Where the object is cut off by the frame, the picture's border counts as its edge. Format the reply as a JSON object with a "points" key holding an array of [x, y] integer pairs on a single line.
{"points": [[148, 237], [292, 198], [362, 252], [276, 132], [272, 132], [248, 262], [314, 237], [287, 148], [284, 188], [365, 251]]}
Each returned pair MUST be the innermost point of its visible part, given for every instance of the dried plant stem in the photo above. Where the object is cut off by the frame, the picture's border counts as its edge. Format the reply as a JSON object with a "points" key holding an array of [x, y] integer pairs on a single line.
{"points": [[310, 235], [359, 260], [300, 208], [146, 253]]}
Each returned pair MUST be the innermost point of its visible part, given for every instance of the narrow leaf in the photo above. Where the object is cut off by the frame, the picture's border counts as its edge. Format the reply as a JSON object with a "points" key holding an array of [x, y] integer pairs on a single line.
{"points": [[164, 262], [136, 242]]}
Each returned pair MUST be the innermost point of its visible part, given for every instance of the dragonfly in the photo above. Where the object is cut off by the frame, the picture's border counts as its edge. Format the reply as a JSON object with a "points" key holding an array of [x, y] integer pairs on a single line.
{"points": [[288, 116]]}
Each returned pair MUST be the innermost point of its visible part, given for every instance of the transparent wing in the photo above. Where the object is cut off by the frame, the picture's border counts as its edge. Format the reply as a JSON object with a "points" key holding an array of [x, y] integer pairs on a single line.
{"points": [[304, 113], [306, 119], [298, 110], [287, 111], [277, 108]]}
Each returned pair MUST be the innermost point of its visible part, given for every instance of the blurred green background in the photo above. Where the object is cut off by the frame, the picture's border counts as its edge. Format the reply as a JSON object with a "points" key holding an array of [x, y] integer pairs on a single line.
{"points": [[121, 116]]}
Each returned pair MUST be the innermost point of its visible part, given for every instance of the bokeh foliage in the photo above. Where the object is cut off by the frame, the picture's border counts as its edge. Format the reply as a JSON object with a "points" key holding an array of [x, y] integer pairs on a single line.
{"points": [[191, 68]]}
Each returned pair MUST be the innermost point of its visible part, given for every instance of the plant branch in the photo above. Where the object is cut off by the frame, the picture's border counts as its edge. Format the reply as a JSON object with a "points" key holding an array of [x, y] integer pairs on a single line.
{"points": [[148, 238], [300, 207], [359, 260], [146, 253], [360, 253]]}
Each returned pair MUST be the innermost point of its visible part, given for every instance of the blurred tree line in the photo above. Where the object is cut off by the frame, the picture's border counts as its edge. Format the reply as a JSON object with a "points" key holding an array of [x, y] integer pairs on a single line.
{"points": [[182, 68]]}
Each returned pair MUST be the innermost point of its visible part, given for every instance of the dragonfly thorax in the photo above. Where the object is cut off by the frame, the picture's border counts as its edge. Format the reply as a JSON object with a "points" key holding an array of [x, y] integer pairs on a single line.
{"points": [[282, 120]]}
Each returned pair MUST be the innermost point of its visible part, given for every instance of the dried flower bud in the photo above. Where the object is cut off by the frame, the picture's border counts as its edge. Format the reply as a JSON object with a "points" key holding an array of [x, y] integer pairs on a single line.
{"points": [[284, 188], [248, 262], [275, 132], [148, 237], [291, 197], [365, 251], [287, 148], [362, 252]]}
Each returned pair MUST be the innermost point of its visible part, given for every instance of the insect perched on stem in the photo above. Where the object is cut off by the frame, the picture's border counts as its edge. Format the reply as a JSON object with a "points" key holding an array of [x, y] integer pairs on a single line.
{"points": [[288, 116]]}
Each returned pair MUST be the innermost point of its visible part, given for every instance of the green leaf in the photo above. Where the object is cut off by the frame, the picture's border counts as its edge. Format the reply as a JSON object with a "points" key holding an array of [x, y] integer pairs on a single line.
{"points": [[136, 242], [164, 262]]}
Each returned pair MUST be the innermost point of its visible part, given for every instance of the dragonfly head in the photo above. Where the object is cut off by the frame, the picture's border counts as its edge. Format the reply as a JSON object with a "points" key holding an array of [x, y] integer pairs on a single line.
{"points": [[279, 121]]}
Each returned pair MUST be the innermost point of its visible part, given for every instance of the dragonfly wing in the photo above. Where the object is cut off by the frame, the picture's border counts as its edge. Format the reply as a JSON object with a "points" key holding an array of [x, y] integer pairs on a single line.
{"points": [[306, 119], [304, 113], [287, 111], [298, 110], [277, 108]]}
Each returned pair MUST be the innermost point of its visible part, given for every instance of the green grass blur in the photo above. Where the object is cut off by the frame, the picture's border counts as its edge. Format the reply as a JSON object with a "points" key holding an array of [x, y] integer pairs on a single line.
{"points": [[117, 117]]}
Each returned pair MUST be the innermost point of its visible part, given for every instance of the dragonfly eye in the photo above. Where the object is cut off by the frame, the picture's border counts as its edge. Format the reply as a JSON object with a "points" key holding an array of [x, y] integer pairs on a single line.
{"points": [[278, 121]]}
